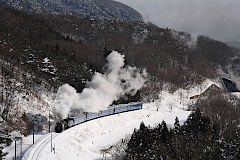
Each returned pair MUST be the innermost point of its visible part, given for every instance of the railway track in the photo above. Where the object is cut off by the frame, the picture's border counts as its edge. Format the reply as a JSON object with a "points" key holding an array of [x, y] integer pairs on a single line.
{"points": [[41, 145], [37, 151]]}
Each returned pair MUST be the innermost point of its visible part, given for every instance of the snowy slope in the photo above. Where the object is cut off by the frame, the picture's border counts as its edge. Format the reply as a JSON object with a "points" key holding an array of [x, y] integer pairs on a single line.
{"points": [[86, 140], [22, 99], [95, 8]]}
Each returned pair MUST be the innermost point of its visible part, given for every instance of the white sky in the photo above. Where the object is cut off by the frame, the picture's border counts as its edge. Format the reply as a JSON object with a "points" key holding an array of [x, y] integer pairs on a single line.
{"points": [[219, 19]]}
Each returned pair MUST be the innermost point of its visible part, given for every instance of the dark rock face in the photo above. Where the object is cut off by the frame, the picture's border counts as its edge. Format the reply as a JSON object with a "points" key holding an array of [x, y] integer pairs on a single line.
{"points": [[96, 8], [230, 85]]}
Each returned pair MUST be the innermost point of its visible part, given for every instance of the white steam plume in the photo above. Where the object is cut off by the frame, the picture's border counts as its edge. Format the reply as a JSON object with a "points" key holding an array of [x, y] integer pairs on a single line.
{"points": [[234, 77], [103, 88], [190, 42]]}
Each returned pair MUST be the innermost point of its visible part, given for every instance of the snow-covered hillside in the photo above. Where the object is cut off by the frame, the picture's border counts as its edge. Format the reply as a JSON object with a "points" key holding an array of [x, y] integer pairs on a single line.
{"points": [[90, 139], [95, 8], [86, 141], [22, 98]]}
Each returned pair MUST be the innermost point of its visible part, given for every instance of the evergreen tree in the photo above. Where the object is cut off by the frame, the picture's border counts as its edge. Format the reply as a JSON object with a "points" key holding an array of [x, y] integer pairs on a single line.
{"points": [[196, 123], [196, 139], [142, 127], [215, 132], [132, 145], [164, 134], [176, 126], [139, 144]]}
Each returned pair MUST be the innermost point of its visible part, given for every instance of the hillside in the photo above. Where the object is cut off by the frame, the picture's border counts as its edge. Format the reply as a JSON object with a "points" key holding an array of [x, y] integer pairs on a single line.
{"points": [[110, 136], [164, 52], [53, 50], [103, 9], [39, 53], [235, 44]]}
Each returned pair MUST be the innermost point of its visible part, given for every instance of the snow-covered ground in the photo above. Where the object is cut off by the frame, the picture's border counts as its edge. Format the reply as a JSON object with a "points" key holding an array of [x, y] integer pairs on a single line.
{"points": [[86, 140]]}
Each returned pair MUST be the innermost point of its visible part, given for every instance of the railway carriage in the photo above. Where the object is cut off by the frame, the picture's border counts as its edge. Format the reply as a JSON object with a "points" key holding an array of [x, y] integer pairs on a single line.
{"points": [[72, 121]]}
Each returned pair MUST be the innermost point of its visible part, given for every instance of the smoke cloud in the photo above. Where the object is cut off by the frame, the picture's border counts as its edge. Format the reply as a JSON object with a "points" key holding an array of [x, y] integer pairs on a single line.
{"points": [[217, 19], [103, 88], [234, 75], [191, 41]]}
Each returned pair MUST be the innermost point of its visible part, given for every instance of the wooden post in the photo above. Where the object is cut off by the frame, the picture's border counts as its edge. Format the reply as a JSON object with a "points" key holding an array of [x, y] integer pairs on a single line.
{"points": [[15, 149], [33, 128], [2, 87], [51, 141], [21, 147], [2, 102], [49, 122]]}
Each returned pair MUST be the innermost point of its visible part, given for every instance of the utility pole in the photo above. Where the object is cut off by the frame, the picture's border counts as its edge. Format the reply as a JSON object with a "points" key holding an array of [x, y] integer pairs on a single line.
{"points": [[33, 128], [2, 85], [1, 109], [21, 148], [54, 148], [51, 141], [15, 149], [49, 122], [21, 155]]}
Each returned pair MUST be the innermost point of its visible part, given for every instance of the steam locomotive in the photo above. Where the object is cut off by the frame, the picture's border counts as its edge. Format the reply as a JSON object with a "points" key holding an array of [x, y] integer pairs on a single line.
{"points": [[72, 121]]}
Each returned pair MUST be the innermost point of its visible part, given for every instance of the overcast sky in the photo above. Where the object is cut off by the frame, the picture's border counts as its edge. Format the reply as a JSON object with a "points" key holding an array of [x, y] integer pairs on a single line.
{"points": [[219, 19]]}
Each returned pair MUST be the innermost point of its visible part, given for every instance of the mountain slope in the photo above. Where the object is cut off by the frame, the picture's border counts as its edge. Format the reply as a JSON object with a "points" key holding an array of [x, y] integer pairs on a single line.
{"points": [[47, 51], [71, 44], [235, 44], [41, 52], [95, 8]]}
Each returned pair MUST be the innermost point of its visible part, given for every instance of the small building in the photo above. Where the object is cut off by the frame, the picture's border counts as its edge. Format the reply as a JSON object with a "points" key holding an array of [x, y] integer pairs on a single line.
{"points": [[212, 90]]}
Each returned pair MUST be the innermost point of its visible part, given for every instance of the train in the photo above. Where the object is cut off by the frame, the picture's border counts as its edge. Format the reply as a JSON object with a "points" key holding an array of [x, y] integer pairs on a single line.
{"points": [[73, 121]]}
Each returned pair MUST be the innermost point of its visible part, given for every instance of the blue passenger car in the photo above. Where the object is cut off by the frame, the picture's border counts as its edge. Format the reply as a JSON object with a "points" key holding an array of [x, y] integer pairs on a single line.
{"points": [[72, 121]]}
